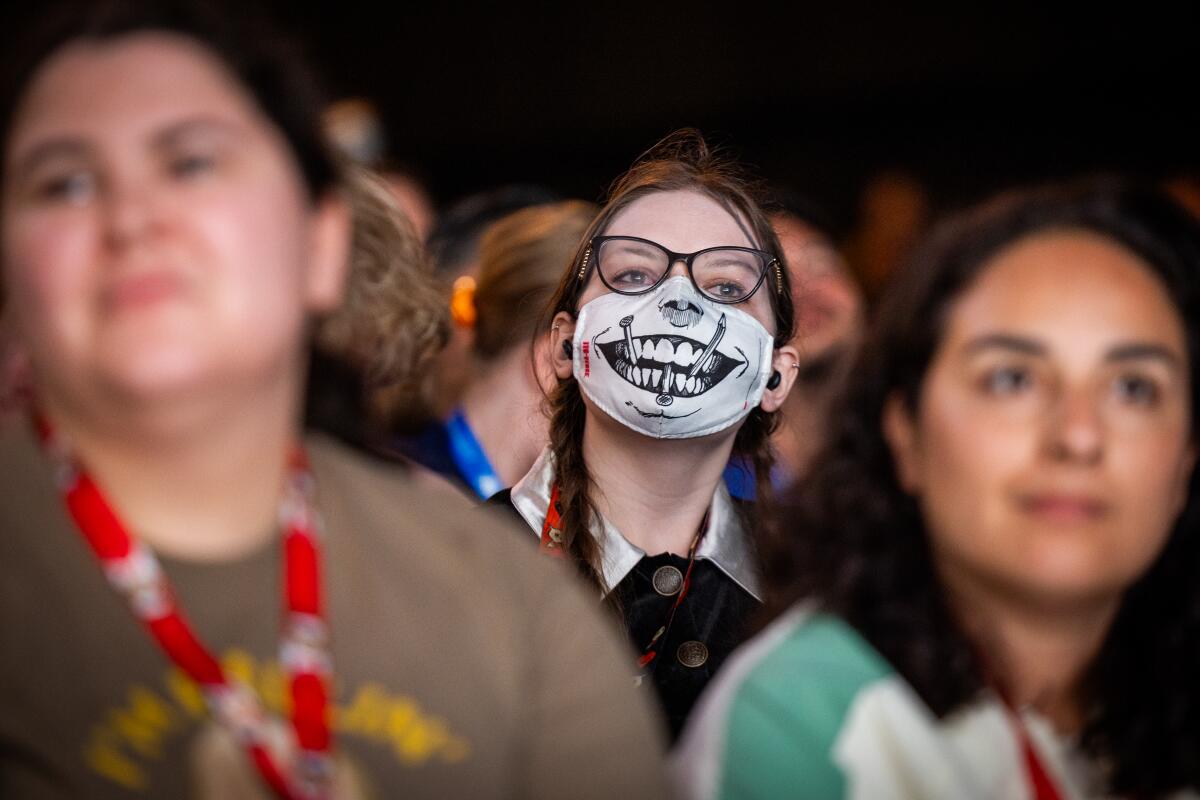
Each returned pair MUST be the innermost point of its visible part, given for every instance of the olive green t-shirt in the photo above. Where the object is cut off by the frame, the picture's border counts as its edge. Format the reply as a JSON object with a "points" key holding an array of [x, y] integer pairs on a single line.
{"points": [[464, 665]]}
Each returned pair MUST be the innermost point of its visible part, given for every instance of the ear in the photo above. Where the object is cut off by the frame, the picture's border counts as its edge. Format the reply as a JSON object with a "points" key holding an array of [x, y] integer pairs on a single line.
{"points": [[540, 363], [900, 431], [330, 232], [784, 362], [562, 329]]}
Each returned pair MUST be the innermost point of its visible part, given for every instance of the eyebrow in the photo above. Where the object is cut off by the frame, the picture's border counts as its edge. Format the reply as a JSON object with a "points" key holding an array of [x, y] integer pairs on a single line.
{"points": [[637, 248], [78, 147], [56, 147], [1006, 341], [179, 130], [1129, 351], [1144, 350]]}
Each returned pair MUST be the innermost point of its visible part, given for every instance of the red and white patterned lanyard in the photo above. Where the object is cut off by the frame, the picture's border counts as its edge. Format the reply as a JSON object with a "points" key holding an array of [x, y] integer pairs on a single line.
{"points": [[134, 572]]}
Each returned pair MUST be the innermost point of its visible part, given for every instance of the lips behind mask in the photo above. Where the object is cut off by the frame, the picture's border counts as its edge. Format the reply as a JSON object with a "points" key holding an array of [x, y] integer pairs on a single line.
{"points": [[671, 363]]}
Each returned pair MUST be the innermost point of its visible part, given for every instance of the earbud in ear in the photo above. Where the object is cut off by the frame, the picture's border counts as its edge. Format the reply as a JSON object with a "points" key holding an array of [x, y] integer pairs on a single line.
{"points": [[568, 348], [773, 381]]}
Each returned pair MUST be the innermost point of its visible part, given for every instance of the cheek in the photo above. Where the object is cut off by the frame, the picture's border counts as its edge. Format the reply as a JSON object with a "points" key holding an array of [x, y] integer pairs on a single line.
{"points": [[1149, 465], [49, 275], [966, 460], [260, 238], [759, 307]]}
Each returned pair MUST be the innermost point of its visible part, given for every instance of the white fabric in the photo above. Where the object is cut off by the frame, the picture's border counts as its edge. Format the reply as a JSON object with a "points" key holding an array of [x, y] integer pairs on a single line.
{"points": [[694, 765], [725, 543], [889, 745], [696, 367]]}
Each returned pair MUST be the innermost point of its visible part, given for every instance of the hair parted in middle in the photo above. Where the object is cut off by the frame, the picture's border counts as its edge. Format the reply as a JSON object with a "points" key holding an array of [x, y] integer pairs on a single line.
{"points": [[683, 161]]}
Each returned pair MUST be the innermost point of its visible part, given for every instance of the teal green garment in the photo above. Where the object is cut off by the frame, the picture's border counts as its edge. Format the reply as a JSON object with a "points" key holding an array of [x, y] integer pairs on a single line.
{"points": [[788, 713]]}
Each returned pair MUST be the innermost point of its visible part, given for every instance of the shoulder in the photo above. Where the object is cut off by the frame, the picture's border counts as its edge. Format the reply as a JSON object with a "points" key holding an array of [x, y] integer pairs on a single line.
{"points": [[775, 713], [382, 520]]}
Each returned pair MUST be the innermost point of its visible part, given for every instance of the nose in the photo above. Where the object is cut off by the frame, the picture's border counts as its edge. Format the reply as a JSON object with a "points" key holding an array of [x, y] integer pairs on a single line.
{"points": [[677, 267], [1076, 429], [129, 212]]}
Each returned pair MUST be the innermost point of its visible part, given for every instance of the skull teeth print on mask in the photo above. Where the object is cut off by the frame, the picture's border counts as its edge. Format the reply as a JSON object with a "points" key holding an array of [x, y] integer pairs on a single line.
{"points": [[671, 363]]}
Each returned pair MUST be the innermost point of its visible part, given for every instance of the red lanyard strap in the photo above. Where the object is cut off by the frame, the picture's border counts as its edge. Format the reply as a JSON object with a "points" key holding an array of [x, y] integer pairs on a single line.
{"points": [[550, 544], [133, 570], [1040, 783]]}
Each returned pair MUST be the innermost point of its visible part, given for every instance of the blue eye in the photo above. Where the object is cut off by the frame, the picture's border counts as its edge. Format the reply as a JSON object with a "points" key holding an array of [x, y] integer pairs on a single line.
{"points": [[73, 187], [633, 278], [1005, 381], [726, 290]]}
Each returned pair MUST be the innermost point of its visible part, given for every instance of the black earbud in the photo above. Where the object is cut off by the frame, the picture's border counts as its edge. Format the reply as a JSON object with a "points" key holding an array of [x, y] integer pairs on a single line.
{"points": [[773, 381], [568, 348]]}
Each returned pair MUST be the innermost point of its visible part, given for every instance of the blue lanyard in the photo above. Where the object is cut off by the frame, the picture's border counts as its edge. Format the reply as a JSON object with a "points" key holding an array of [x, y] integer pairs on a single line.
{"points": [[469, 457]]}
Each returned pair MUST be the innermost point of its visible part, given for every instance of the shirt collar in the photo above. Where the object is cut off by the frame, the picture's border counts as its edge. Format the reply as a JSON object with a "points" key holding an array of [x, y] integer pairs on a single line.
{"points": [[725, 544]]}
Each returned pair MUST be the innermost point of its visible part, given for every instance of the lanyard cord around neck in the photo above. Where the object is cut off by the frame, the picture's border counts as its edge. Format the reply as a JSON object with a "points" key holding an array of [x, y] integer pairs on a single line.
{"points": [[550, 544], [470, 458], [134, 572], [1041, 785]]}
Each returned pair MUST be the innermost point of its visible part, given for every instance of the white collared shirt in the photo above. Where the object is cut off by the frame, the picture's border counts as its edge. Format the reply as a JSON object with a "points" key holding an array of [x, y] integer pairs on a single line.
{"points": [[725, 542]]}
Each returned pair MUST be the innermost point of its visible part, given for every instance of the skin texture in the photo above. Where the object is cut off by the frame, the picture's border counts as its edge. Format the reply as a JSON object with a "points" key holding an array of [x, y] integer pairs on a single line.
{"points": [[1050, 450], [162, 257]]}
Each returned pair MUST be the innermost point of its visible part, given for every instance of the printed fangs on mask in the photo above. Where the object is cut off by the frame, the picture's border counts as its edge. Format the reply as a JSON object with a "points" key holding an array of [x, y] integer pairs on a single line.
{"points": [[672, 364]]}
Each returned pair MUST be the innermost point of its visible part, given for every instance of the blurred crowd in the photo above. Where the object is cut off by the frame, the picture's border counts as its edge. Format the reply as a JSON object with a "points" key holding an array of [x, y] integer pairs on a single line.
{"points": [[311, 487]]}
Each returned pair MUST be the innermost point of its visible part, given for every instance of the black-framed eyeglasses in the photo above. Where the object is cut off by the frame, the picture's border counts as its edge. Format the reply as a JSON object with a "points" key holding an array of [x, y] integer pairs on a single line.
{"points": [[632, 265]]}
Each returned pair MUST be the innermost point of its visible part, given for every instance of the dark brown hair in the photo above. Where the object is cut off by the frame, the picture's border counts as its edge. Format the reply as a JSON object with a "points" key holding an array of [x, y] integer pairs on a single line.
{"points": [[857, 543], [681, 162]]}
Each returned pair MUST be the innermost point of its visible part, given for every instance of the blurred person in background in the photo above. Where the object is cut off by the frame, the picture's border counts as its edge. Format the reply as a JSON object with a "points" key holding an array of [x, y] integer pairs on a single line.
{"points": [[830, 315], [354, 127], [993, 569], [454, 247], [893, 213], [494, 435], [669, 334], [171, 230], [369, 355]]}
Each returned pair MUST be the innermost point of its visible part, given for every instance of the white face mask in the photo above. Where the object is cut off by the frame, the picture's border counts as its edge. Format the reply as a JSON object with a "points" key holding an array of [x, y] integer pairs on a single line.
{"points": [[696, 367]]}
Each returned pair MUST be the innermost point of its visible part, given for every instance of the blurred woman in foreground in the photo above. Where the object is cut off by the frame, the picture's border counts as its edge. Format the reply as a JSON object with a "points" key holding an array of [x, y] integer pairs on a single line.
{"points": [[995, 566], [171, 228]]}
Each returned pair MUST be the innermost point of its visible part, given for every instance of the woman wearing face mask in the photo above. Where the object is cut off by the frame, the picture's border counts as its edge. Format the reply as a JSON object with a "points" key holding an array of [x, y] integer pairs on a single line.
{"points": [[197, 599], [997, 559], [666, 346]]}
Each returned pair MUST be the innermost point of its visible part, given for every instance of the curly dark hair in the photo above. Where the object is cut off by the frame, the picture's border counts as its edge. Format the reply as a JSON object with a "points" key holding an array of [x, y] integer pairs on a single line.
{"points": [[857, 546]]}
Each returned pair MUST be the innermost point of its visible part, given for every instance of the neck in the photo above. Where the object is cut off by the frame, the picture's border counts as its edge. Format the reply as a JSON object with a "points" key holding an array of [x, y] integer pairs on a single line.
{"points": [[503, 408], [655, 491], [1038, 654], [200, 483]]}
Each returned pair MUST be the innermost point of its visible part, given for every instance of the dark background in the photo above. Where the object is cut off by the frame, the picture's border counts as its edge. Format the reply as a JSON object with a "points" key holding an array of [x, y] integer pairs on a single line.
{"points": [[819, 96]]}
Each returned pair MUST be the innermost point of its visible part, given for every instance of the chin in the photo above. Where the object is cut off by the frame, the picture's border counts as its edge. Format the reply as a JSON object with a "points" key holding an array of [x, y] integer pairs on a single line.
{"points": [[1077, 574]]}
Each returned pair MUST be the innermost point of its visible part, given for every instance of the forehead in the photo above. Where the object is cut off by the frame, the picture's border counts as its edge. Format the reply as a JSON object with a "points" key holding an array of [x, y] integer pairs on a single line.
{"points": [[1078, 291], [682, 221], [125, 84]]}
